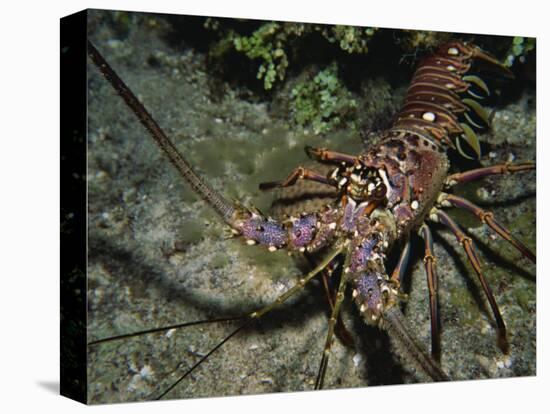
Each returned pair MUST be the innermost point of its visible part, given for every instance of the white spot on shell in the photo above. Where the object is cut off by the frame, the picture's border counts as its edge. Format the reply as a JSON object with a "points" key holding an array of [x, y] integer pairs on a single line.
{"points": [[452, 51], [414, 205], [384, 178], [271, 248], [251, 242], [450, 68], [428, 116], [363, 308], [332, 226], [354, 293]]}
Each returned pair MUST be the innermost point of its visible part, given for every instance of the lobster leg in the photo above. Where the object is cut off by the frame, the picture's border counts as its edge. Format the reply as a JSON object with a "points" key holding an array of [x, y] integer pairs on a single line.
{"points": [[479, 173], [325, 155], [488, 218], [299, 173], [398, 272], [467, 245], [341, 331], [429, 264], [331, 325]]}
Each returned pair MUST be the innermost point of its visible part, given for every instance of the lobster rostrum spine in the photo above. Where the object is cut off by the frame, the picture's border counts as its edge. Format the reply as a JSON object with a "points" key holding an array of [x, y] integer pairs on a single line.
{"points": [[384, 194]]}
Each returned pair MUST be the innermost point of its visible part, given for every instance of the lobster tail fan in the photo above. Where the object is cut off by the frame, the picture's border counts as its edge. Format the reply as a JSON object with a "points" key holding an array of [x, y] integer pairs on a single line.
{"points": [[470, 137], [476, 115], [477, 88], [491, 64]]}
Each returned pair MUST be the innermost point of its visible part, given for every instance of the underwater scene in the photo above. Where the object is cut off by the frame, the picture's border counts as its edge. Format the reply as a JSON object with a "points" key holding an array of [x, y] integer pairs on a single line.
{"points": [[241, 100]]}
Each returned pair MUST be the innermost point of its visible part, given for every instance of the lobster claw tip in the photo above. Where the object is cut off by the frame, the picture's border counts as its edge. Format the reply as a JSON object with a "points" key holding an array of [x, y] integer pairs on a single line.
{"points": [[312, 152]]}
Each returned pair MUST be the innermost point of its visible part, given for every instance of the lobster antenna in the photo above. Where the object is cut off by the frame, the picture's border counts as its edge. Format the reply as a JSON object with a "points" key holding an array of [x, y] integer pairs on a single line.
{"points": [[204, 358], [164, 328], [214, 199], [405, 344]]}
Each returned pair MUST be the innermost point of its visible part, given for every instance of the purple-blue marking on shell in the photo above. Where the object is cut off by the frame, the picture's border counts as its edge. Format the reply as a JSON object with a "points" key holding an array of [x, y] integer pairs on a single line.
{"points": [[352, 212], [324, 234], [347, 220], [303, 230], [369, 293], [265, 232], [362, 254]]}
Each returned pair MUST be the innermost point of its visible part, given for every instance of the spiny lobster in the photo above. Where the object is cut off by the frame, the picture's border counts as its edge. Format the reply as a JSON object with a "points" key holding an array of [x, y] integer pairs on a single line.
{"points": [[395, 188]]}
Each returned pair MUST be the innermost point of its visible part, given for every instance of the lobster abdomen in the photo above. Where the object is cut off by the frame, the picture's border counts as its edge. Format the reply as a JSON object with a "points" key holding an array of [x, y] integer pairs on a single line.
{"points": [[442, 100]]}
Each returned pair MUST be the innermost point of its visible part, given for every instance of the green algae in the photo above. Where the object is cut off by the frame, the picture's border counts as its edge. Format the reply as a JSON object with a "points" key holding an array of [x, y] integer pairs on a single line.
{"points": [[519, 49], [192, 231], [272, 43], [422, 39], [266, 44], [461, 298], [322, 103]]}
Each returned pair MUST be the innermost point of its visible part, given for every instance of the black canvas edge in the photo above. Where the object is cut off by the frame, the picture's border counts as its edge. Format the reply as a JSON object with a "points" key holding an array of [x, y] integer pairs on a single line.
{"points": [[73, 122]]}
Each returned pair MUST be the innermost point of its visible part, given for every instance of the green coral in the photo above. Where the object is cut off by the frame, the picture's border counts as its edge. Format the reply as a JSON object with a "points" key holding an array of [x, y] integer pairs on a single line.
{"points": [[322, 103], [266, 44], [272, 43], [350, 39], [423, 39], [519, 48]]}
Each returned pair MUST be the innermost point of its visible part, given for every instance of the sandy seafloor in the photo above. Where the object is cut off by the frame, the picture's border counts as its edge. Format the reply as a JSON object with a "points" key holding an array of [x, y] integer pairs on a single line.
{"points": [[157, 256]]}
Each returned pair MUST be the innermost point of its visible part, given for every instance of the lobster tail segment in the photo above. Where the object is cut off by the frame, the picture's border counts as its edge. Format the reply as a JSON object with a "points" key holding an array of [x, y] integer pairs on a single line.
{"points": [[442, 101]]}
